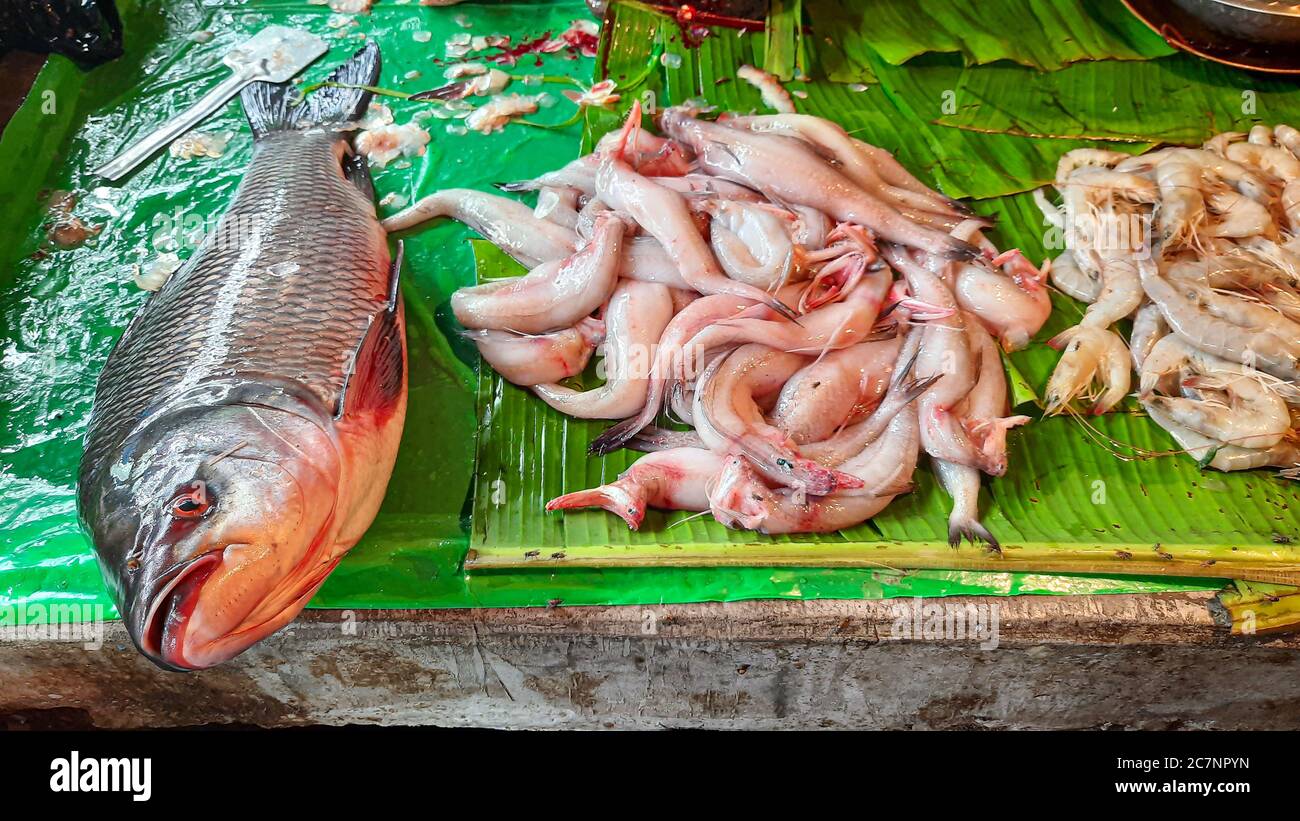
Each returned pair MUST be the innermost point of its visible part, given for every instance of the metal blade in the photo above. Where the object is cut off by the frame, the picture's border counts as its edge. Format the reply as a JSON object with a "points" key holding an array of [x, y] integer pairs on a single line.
{"points": [[275, 54]]}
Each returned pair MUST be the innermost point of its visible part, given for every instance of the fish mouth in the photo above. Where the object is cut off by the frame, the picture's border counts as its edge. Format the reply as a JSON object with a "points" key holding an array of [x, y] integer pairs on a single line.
{"points": [[163, 629], [174, 634]]}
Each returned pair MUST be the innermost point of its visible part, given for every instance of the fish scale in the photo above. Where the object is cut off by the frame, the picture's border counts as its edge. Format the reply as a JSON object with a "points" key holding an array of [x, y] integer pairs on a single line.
{"points": [[246, 423], [234, 309]]}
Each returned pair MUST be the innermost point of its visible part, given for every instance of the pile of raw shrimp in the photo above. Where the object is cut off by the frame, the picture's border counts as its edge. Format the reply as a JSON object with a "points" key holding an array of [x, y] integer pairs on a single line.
{"points": [[816, 315], [1201, 247]]}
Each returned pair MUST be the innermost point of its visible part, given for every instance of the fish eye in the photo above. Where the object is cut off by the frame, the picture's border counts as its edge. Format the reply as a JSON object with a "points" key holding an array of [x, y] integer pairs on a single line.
{"points": [[192, 502]]}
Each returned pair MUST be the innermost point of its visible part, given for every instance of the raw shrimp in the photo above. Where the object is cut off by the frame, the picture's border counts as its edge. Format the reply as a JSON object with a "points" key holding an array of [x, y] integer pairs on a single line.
{"points": [[1104, 185], [1289, 138], [506, 223], [1279, 162], [1073, 281], [529, 360], [1182, 205], [821, 397], [1121, 290], [741, 499], [674, 479], [728, 418], [1249, 415], [769, 85], [1090, 355], [635, 319], [788, 171], [1219, 143], [1207, 164], [1149, 327], [1239, 215], [1053, 215], [1284, 454], [1236, 271], [670, 353], [1291, 205], [553, 295], [1072, 161], [1206, 320], [1283, 298]]}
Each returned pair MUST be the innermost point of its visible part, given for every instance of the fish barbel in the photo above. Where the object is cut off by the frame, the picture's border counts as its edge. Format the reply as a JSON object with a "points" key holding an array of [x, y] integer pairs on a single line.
{"points": [[245, 425]]}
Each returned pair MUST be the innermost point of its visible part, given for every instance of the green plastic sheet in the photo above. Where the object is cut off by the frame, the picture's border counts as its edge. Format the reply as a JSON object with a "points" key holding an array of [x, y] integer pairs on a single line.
{"points": [[61, 310]]}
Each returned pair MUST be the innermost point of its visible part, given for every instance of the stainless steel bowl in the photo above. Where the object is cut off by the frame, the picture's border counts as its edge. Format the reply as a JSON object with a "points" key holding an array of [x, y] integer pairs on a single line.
{"points": [[1265, 22]]}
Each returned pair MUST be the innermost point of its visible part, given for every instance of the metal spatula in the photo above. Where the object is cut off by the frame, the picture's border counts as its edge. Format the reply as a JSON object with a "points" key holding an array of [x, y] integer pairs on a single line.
{"points": [[274, 54]]}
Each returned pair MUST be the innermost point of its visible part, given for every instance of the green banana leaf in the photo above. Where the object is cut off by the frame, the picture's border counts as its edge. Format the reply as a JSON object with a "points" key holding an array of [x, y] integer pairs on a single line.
{"points": [[1103, 495], [1041, 34], [1110, 100]]}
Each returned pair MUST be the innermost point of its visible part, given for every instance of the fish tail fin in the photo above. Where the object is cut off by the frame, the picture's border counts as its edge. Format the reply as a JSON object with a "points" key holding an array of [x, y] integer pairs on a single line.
{"points": [[971, 529], [272, 107]]}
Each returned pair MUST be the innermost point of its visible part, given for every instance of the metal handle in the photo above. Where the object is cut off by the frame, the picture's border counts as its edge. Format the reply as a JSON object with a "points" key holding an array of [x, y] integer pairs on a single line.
{"points": [[123, 163]]}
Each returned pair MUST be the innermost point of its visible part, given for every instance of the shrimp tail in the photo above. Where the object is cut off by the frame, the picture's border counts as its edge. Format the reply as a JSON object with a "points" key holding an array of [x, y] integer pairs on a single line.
{"points": [[623, 498]]}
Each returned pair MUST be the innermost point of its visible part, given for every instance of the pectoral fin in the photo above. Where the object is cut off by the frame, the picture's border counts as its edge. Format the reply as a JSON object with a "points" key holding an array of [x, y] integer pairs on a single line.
{"points": [[376, 376]]}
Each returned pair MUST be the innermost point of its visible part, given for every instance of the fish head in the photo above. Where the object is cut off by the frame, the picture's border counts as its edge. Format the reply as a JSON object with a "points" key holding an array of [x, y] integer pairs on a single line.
{"points": [[220, 524], [738, 497]]}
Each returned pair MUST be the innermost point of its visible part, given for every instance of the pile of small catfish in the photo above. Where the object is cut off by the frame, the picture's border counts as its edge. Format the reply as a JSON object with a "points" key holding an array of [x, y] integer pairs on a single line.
{"points": [[816, 315]]}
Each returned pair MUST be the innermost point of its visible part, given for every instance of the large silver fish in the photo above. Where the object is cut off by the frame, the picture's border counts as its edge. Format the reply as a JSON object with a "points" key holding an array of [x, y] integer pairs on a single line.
{"points": [[246, 423]]}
